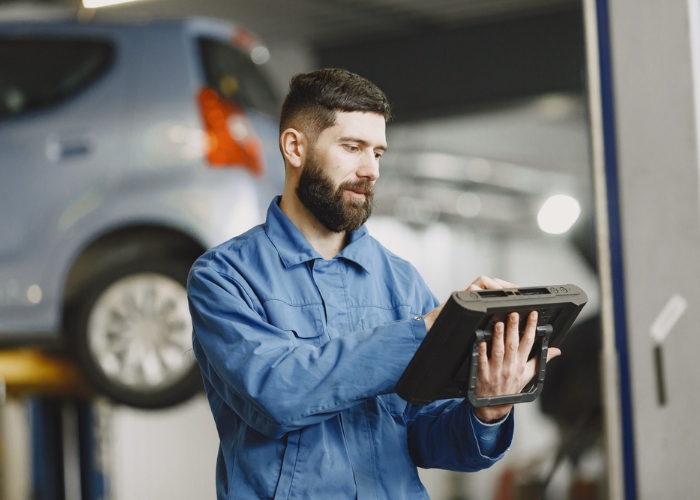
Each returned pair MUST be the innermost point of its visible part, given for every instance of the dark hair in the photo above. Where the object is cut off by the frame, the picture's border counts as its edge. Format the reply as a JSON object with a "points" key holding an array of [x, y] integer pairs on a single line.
{"points": [[314, 98]]}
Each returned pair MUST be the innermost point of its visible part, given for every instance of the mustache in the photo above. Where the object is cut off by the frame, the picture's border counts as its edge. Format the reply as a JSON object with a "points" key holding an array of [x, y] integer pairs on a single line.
{"points": [[362, 186]]}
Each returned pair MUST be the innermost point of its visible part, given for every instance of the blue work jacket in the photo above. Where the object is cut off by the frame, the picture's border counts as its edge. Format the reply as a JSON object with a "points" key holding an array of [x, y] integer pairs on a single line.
{"points": [[300, 356]]}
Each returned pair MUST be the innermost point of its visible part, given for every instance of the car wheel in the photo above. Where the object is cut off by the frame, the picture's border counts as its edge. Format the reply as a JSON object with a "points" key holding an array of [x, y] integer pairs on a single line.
{"points": [[133, 335]]}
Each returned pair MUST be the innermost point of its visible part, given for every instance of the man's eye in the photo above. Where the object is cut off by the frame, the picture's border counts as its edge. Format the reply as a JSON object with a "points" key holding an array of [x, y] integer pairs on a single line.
{"points": [[377, 155], [351, 148]]}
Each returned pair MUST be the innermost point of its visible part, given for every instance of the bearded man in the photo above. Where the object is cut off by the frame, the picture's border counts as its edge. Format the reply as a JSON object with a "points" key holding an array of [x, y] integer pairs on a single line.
{"points": [[303, 326]]}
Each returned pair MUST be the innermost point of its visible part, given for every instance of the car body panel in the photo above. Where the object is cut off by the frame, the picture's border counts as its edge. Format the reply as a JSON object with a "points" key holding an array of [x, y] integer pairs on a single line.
{"points": [[129, 154]]}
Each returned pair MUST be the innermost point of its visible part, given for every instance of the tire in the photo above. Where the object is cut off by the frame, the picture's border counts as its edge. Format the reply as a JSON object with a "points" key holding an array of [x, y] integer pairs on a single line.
{"points": [[132, 334]]}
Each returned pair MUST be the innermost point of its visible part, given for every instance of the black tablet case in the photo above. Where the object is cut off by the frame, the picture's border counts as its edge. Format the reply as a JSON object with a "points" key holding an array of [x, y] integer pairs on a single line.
{"points": [[444, 366]]}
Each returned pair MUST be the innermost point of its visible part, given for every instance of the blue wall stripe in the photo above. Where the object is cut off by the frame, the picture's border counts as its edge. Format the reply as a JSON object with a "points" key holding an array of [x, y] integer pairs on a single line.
{"points": [[630, 483]]}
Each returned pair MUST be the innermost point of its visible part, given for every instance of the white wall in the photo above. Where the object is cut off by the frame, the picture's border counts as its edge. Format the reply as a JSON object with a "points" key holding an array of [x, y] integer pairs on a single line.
{"points": [[167, 454], [657, 98]]}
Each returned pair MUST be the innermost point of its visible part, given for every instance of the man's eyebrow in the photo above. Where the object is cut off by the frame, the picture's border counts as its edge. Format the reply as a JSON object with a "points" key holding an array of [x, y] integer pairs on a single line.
{"points": [[361, 141]]}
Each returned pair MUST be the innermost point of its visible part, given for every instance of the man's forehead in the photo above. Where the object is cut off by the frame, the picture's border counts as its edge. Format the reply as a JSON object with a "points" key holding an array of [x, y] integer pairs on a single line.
{"points": [[368, 126], [354, 116]]}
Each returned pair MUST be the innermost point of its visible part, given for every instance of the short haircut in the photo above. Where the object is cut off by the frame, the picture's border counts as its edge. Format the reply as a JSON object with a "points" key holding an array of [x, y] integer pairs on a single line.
{"points": [[314, 98]]}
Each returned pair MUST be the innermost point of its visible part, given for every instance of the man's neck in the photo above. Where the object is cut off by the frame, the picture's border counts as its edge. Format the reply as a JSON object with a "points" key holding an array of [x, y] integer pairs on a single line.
{"points": [[325, 242]]}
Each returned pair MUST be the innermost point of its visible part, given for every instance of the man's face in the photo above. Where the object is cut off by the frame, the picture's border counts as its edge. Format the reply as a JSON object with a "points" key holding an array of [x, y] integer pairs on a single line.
{"points": [[336, 184]]}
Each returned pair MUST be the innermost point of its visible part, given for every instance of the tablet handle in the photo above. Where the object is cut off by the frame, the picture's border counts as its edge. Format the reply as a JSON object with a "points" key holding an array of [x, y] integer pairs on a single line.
{"points": [[531, 390]]}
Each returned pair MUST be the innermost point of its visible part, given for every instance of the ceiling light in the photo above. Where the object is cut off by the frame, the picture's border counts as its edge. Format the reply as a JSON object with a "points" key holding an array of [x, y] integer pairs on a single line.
{"points": [[558, 214], [260, 55], [468, 204], [95, 4]]}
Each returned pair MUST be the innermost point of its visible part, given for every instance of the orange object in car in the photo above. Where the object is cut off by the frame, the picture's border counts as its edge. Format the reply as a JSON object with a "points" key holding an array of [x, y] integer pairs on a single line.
{"points": [[230, 138]]}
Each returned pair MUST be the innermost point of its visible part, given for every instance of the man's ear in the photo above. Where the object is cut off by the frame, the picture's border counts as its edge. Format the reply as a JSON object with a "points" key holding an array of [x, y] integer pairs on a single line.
{"points": [[293, 145]]}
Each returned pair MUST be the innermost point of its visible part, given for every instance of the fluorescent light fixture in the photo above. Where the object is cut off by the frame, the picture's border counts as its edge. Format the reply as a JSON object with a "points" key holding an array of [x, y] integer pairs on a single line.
{"points": [[96, 4], [558, 214]]}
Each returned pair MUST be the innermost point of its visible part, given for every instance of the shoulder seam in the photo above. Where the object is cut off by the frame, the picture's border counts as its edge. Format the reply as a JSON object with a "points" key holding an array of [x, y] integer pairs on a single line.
{"points": [[238, 283]]}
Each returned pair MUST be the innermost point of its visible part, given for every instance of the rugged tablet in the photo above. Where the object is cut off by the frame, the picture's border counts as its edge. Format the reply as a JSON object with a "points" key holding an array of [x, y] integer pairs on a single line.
{"points": [[444, 366]]}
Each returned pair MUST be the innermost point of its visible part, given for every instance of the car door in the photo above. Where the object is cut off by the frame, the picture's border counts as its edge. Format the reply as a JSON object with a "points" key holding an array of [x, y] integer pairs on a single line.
{"points": [[59, 106]]}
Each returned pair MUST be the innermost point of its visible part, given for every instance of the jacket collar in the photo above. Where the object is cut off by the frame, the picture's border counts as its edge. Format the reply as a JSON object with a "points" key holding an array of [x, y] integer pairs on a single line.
{"points": [[293, 248]]}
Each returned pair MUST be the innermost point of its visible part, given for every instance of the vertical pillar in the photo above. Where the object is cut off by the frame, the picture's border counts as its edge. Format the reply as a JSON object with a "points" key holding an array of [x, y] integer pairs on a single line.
{"points": [[647, 130], [64, 451], [46, 449]]}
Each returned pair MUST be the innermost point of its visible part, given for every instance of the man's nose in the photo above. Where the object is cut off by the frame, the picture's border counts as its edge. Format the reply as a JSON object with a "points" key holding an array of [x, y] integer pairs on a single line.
{"points": [[369, 169]]}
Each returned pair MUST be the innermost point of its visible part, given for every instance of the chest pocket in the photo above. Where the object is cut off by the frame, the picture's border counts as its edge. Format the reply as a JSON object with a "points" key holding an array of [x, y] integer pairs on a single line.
{"points": [[304, 323], [368, 317]]}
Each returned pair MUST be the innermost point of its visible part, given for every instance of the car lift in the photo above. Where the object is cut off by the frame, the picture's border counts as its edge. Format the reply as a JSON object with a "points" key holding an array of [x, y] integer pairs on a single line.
{"points": [[64, 446]]}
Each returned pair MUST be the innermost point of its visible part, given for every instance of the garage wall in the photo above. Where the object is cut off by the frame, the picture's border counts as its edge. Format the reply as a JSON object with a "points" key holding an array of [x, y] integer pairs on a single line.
{"points": [[655, 99]]}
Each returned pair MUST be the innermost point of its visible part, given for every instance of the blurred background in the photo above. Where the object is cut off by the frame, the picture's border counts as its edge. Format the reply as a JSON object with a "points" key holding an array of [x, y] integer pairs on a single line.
{"points": [[134, 136]]}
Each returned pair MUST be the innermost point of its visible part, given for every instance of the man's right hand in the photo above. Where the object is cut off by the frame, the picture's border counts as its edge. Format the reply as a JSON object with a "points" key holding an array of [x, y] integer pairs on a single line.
{"points": [[481, 283]]}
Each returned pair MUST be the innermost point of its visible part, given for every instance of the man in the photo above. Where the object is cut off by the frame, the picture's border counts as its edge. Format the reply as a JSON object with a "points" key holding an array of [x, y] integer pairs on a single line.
{"points": [[303, 326]]}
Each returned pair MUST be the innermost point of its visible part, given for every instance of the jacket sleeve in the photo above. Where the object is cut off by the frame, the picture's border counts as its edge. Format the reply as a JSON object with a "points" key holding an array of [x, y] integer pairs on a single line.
{"points": [[274, 385], [447, 435]]}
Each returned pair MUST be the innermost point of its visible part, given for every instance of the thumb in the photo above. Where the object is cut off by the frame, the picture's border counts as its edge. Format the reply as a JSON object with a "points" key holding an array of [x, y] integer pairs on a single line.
{"points": [[552, 353]]}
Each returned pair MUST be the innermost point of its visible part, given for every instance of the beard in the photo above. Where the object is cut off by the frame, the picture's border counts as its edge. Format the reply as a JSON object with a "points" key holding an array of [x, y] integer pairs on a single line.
{"points": [[327, 203]]}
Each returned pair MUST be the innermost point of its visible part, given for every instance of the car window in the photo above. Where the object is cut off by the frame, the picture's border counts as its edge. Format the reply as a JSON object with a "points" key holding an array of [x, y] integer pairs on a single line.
{"points": [[234, 75], [37, 73]]}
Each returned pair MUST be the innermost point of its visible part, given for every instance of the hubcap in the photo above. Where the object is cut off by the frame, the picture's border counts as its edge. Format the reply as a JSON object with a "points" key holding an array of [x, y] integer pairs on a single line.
{"points": [[140, 332]]}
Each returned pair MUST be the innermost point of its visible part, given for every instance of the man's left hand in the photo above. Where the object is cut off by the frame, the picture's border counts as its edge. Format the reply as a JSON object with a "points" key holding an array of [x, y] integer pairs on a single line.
{"points": [[508, 370]]}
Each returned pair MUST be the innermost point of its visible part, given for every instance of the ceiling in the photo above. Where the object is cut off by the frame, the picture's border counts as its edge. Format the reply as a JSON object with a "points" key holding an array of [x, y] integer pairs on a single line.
{"points": [[322, 22]]}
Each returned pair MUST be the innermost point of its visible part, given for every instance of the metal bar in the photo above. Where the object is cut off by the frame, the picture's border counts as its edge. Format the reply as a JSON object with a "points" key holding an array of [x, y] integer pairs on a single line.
{"points": [[660, 380], [694, 22], [71, 451], [33, 372]]}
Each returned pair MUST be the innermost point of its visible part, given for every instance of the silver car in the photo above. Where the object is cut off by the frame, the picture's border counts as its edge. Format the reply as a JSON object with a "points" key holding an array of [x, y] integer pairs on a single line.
{"points": [[126, 150]]}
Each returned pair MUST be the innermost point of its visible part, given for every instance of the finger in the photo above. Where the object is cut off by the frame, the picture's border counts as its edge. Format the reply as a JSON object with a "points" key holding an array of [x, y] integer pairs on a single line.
{"points": [[528, 339], [437, 310], [473, 287], [531, 366], [484, 282], [497, 346], [512, 338], [504, 283], [552, 353], [483, 366], [431, 316], [530, 371]]}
